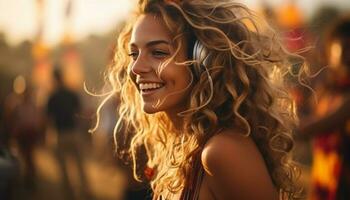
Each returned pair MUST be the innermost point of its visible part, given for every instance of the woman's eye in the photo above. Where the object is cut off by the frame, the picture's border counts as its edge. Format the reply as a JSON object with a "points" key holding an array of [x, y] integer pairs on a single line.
{"points": [[160, 54], [133, 55]]}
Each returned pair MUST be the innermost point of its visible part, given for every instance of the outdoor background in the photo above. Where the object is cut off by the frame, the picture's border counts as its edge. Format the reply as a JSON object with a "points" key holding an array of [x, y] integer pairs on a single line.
{"points": [[79, 36]]}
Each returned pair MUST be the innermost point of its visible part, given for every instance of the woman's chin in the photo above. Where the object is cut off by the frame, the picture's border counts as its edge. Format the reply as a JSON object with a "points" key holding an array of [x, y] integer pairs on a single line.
{"points": [[150, 109]]}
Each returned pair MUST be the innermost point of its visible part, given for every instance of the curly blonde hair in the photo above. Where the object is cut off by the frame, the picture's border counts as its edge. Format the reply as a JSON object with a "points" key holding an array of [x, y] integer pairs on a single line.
{"points": [[242, 85]]}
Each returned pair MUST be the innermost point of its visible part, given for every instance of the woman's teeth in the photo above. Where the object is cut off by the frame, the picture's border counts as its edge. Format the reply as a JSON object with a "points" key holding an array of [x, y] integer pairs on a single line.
{"points": [[150, 86]]}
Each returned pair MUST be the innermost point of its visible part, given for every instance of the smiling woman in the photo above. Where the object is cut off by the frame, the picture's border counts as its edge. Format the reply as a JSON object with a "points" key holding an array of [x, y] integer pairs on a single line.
{"points": [[204, 94], [150, 46]]}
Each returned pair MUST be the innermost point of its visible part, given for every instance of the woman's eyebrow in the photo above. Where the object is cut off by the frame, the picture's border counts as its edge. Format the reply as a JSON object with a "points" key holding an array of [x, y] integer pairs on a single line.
{"points": [[153, 43]]}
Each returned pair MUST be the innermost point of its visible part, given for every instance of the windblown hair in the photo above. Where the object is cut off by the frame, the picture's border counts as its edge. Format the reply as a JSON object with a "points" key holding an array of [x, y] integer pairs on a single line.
{"points": [[242, 85]]}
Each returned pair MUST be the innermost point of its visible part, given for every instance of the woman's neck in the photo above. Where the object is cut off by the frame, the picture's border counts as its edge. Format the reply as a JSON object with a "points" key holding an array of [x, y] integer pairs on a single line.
{"points": [[176, 120]]}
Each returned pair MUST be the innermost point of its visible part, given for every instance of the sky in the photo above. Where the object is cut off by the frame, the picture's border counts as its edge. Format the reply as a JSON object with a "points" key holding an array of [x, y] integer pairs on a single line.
{"points": [[18, 17]]}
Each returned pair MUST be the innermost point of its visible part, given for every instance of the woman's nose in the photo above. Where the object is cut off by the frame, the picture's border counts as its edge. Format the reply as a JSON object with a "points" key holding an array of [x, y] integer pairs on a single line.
{"points": [[141, 66]]}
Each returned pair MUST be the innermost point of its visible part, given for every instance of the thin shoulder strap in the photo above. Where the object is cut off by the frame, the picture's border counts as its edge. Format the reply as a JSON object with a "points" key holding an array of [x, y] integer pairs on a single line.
{"points": [[198, 183], [195, 179], [193, 186]]}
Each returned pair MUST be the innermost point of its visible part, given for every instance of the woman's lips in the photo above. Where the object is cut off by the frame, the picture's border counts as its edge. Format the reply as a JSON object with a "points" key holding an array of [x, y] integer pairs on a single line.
{"points": [[149, 88], [149, 92]]}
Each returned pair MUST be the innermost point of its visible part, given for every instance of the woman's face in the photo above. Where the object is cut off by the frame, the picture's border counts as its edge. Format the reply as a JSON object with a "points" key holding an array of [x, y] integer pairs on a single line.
{"points": [[151, 45]]}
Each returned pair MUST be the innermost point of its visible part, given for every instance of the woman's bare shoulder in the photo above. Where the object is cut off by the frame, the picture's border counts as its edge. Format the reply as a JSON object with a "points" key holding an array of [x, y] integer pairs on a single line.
{"points": [[233, 162], [227, 144]]}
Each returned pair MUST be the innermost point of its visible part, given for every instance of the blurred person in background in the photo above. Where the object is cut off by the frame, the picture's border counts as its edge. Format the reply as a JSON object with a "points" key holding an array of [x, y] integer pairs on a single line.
{"points": [[330, 124], [24, 121], [27, 131], [63, 108], [9, 165]]}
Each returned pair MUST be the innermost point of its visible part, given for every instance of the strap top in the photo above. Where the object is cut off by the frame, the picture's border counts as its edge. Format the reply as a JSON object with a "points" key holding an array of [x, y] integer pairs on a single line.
{"points": [[192, 189]]}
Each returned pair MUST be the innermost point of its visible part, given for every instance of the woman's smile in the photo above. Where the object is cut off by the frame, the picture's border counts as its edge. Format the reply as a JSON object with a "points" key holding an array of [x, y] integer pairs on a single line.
{"points": [[148, 89]]}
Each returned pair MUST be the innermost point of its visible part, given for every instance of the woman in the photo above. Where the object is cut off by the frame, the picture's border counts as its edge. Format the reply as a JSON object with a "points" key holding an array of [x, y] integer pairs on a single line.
{"points": [[201, 90]]}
